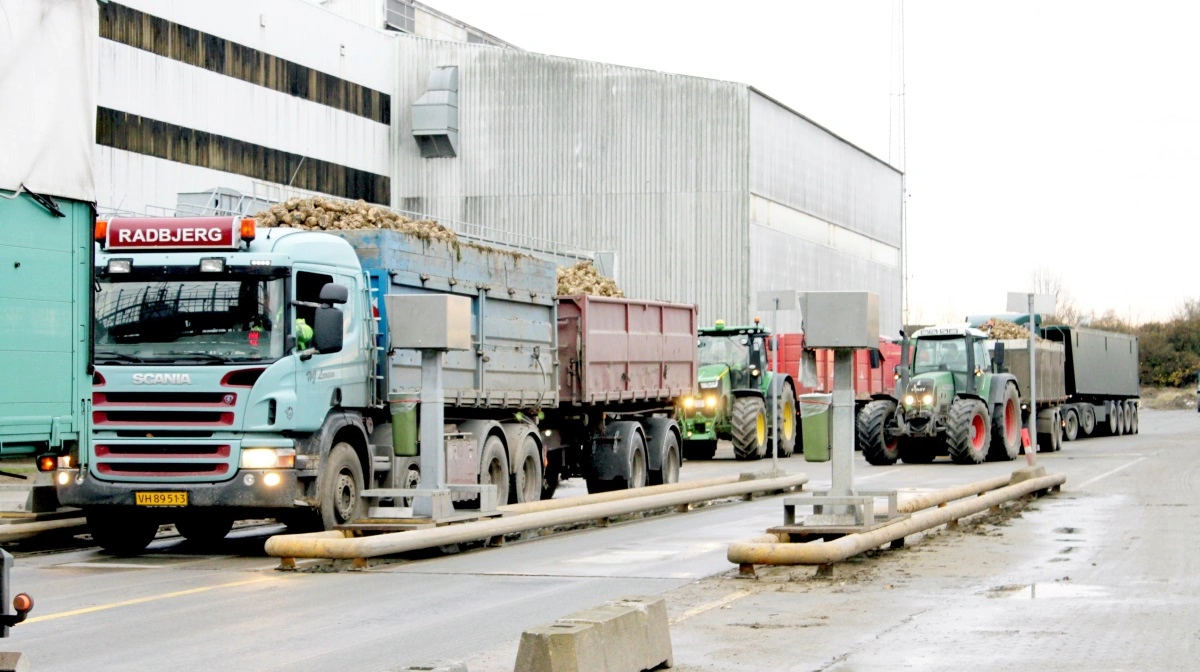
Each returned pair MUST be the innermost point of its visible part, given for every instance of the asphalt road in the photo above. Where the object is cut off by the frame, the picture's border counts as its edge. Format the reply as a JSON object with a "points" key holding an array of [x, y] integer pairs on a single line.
{"points": [[1102, 576]]}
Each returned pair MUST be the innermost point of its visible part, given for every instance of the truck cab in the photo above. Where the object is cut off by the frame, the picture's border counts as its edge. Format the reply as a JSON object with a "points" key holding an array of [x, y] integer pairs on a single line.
{"points": [[224, 357]]}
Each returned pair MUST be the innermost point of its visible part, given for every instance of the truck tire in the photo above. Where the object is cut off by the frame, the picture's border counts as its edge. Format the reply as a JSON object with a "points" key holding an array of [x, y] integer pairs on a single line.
{"points": [[669, 473], [121, 532], [871, 433], [749, 428], [204, 528], [967, 433], [1051, 442], [636, 469], [527, 474], [787, 422], [1133, 414], [341, 487], [493, 467], [916, 451], [1087, 420], [1127, 413], [550, 481], [1070, 425], [1006, 427], [1116, 421], [699, 450]]}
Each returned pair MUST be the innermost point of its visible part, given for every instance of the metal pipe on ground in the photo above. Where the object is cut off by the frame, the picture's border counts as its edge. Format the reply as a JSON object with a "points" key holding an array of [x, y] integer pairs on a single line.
{"points": [[565, 502], [18, 531], [914, 503], [768, 550], [322, 545]]}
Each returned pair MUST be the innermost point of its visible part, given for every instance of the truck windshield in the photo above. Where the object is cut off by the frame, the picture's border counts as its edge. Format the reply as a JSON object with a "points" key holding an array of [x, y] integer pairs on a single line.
{"points": [[226, 319], [733, 350], [948, 354]]}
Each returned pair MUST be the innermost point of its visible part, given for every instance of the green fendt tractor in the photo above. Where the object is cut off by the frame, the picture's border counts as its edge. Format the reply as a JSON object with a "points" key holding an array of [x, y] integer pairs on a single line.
{"points": [[955, 400], [734, 403]]}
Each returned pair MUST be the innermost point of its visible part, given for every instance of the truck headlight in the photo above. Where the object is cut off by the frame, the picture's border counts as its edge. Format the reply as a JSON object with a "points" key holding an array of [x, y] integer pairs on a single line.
{"points": [[268, 458]]}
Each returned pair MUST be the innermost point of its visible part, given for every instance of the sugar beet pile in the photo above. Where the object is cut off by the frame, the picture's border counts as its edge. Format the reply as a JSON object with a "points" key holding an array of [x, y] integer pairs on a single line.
{"points": [[324, 214]]}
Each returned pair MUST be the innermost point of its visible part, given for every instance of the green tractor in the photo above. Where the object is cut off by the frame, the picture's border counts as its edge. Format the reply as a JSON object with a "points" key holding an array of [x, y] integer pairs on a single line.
{"points": [[735, 393], [955, 400]]}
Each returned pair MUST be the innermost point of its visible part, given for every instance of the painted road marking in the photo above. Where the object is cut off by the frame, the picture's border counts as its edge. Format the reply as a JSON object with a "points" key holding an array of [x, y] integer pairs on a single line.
{"points": [[732, 597], [142, 600], [1106, 474]]}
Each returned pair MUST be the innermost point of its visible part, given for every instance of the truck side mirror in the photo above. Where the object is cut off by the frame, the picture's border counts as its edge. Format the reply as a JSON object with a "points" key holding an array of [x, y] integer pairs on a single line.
{"points": [[327, 329], [998, 357]]}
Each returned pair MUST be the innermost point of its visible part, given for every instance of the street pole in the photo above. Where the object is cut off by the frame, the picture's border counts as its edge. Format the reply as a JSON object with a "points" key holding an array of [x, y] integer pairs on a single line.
{"points": [[842, 431], [1032, 448], [774, 383]]}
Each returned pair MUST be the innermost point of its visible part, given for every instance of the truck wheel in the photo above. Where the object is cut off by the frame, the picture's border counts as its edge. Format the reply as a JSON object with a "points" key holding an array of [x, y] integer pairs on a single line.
{"points": [[1133, 414], [915, 451], [493, 467], [636, 470], [699, 450], [1127, 412], [1087, 423], [1056, 433], [121, 532], [204, 528], [1006, 427], [1116, 420], [967, 434], [1070, 425], [787, 421], [875, 435], [749, 428], [341, 488], [670, 463], [527, 478]]}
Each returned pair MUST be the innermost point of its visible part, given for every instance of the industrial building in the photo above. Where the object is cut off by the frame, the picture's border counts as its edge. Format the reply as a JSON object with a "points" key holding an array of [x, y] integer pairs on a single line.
{"points": [[686, 189]]}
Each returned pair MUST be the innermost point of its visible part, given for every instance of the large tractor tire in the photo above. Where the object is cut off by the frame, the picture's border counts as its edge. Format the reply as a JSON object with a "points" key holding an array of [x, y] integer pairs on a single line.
{"points": [[699, 450], [787, 421], [874, 433], [749, 428], [1070, 425], [967, 434], [916, 451], [1087, 421], [1006, 427]]}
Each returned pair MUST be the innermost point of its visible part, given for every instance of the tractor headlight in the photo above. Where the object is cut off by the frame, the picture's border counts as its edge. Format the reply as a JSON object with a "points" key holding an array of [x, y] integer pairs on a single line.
{"points": [[268, 458], [689, 402], [927, 399], [710, 402], [909, 400]]}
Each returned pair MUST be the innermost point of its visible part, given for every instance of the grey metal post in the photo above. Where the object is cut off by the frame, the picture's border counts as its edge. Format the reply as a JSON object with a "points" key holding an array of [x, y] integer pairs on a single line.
{"points": [[842, 431], [775, 397], [433, 453], [1029, 452]]}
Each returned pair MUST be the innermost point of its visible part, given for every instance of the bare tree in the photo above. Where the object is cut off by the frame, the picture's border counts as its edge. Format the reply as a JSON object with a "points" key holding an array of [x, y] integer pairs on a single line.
{"points": [[1046, 281]]}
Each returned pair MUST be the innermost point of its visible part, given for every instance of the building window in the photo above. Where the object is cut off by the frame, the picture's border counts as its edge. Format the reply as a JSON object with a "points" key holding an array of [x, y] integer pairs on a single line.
{"points": [[472, 38], [401, 16]]}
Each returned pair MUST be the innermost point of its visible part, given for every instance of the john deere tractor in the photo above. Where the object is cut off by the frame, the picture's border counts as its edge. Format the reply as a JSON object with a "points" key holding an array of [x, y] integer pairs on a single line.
{"points": [[954, 400], [734, 403]]}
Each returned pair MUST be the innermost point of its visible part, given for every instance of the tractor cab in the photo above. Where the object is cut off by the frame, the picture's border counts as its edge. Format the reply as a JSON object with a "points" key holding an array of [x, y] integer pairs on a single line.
{"points": [[739, 352], [946, 361]]}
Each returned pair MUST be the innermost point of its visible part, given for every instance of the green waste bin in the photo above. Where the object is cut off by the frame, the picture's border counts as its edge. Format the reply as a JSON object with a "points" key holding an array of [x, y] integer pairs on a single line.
{"points": [[815, 422], [404, 426]]}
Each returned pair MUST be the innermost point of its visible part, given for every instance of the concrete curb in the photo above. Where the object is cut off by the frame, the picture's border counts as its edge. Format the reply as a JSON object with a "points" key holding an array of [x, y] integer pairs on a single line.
{"points": [[625, 635]]}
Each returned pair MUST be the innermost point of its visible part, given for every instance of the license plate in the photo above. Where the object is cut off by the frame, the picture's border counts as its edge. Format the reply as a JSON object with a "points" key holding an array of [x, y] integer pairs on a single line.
{"points": [[161, 498]]}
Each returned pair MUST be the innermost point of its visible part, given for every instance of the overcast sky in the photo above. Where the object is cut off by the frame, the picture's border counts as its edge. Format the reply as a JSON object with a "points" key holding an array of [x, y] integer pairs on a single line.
{"points": [[1040, 134]]}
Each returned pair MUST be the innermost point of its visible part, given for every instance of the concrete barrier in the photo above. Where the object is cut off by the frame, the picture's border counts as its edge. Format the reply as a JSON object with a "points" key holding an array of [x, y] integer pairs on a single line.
{"points": [[13, 661], [625, 635]]}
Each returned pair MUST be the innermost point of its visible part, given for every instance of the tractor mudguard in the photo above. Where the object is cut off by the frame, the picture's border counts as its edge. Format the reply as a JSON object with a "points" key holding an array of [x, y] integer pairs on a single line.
{"points": [[738, 394], [1000, 382]]}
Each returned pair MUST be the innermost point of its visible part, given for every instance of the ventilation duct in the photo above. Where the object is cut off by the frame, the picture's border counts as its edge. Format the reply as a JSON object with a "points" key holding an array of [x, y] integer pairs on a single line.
{"points": [[435, 115]]}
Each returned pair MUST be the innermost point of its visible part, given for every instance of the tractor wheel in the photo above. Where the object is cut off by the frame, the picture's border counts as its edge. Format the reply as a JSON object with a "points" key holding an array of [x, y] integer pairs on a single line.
{"points": [[1006, 427], [1070, 425], [967, 435], [875, 433], [787, 421], [699, 450], [1087, 423], [915, 451], [749, 428]]}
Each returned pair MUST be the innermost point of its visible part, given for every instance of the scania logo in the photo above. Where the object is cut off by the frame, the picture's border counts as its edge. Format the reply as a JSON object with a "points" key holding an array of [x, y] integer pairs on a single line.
{"points": [[162, 379], [229, 399]]}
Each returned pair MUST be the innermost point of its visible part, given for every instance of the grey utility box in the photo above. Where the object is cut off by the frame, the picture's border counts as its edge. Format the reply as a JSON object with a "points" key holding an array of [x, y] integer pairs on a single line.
{"points": [[429, 321], [841, 319]]}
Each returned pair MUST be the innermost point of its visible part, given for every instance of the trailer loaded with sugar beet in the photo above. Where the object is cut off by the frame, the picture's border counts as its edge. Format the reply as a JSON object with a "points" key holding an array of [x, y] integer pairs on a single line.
{"points": [[247, 372]]}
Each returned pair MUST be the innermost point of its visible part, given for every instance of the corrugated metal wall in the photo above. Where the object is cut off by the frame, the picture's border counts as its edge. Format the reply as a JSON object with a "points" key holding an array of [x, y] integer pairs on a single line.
{"points": [[825, 214], [601, 157]]}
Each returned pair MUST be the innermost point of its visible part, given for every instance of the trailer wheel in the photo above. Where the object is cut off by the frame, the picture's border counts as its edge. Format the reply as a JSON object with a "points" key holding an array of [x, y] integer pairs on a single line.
{"points": [[550, 481], [1006, 427], [1133, 413], [493, 467], [1070, 425], [915, 451], [527, 477], [749, 428], [121, 532], [204, 528], [1087, 423], [341, 487], [670, 463], [875, 429], [967, 433], [1127, 416], [699, 450], [1115, 420]]}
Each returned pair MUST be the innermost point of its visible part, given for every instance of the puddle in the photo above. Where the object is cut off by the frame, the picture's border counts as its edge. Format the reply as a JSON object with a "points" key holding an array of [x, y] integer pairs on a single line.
{"points": [[1044, 591]]}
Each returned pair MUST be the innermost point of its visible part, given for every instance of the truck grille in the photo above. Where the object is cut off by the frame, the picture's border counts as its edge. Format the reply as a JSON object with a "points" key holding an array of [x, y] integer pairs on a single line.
{"points": [[167, 410], [173, 461], [165, 418]]}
